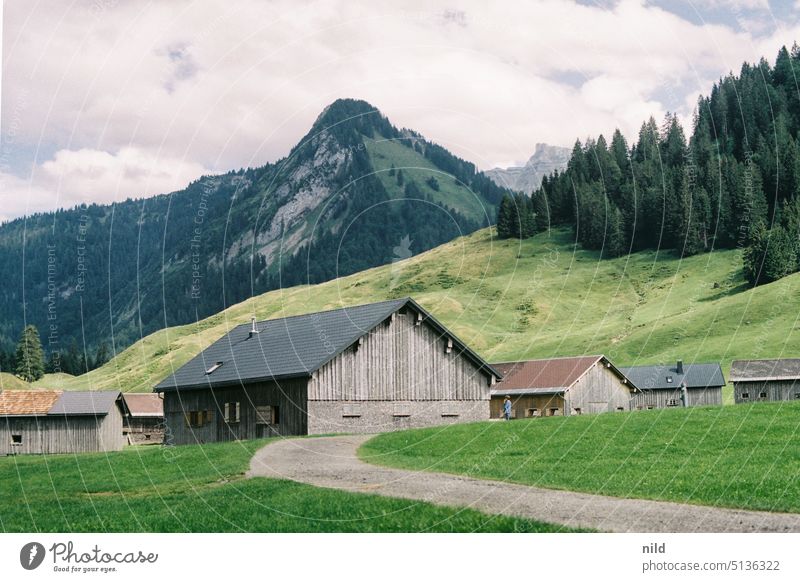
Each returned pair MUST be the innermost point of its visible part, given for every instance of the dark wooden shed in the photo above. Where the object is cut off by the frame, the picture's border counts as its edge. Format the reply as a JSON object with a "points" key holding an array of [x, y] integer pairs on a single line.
{"points": [[364, 369], [766, 380]]}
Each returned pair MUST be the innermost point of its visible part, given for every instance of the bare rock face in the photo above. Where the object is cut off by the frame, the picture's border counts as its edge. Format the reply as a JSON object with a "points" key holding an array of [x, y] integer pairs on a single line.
{"points": [[545, 160]]}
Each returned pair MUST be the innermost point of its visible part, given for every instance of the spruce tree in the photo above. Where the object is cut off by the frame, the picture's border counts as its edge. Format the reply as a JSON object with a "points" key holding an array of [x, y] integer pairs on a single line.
{"points": [[527, 225], [506, 217], [541, 211], [30, 357]]}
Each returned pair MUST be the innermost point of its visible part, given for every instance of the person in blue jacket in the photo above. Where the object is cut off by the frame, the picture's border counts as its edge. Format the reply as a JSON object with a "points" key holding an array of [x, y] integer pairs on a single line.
{"points": [[507, 408]]}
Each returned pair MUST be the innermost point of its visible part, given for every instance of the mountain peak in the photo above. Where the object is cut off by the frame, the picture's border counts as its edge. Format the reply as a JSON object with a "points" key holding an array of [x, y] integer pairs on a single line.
{"points": [[354, 112]]}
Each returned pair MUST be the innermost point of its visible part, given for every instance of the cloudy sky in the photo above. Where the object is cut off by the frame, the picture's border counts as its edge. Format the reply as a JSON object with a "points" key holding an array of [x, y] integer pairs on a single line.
{"points": [[106, 99]]}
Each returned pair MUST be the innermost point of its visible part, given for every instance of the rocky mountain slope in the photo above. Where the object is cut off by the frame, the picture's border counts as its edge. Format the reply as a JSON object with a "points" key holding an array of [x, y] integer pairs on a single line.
{"points": [[355, 192], [545, 160]]}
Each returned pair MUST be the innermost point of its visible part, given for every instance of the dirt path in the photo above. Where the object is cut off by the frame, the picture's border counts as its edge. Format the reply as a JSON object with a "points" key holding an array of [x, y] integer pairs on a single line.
{"points": [[332, 462]]}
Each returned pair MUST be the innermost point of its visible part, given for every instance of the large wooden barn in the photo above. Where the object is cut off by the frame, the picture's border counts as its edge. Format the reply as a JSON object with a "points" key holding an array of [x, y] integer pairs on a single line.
{"points": [[363, 369], [561, 387], [679, 385], [765, 380], [48, 421]]}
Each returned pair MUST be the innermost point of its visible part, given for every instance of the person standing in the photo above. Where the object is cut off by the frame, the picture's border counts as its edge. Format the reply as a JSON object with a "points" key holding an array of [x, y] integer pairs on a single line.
{"points": [[507, 408]]}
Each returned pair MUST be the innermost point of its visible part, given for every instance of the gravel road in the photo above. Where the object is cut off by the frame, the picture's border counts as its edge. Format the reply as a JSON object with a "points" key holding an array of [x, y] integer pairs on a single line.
{"points": [[332, 462]]}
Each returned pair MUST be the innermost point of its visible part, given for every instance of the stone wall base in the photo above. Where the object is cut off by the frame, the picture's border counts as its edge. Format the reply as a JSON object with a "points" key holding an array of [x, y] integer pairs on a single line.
{"points": [[366, 417]]}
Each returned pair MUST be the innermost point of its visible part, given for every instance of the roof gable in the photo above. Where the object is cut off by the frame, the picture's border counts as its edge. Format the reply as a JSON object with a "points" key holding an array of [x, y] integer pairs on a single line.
{"points": [[27, 402], [763, 370], [291, 346], [666, 377]]}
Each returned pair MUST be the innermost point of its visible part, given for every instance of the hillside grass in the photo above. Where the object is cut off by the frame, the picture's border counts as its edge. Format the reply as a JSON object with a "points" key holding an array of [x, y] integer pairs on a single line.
{"points": [[384, 152], [741, 456], [512, 299], [202, 489]]}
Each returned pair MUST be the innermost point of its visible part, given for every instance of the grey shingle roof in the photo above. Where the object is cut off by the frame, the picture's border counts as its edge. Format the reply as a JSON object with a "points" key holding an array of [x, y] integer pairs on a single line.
{"points": [[762, 370], [291, 346], [78, 403], [656, 377]]}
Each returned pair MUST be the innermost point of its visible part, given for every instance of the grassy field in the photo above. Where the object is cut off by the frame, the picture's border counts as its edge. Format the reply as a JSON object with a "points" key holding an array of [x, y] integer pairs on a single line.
{"points": [[736, 456], [536, 298], [202, 489]]}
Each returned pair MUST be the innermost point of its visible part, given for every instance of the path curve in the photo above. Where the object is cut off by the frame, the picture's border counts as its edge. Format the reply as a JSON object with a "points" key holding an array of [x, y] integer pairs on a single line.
{"points": [[332, 462]]}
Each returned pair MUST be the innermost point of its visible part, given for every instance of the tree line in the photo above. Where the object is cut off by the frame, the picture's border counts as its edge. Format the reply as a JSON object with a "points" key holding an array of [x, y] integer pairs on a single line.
{"points": [[734, 183], [28, 361]]}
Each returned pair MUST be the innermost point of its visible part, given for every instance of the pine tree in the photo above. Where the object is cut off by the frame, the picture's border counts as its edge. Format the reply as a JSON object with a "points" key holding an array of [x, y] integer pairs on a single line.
{"points": [[527, 223], [541, 211], [30, 357], [506, 218], [770, 256], [101, 356]]}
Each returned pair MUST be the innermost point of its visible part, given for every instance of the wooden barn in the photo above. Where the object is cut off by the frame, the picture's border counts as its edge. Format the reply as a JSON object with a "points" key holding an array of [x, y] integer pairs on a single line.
{"points": [[561, 387], [364, 369], [678, 385], [765, 380], [48, 422], [144, 419]]}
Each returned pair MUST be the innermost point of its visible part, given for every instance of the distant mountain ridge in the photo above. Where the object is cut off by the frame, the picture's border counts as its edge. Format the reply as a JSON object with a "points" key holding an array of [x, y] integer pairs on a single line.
{"points": [[545, 160], [352, 190]]}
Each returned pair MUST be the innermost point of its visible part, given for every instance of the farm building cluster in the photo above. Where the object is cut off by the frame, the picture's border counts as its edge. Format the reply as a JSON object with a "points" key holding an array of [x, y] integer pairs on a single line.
{"points": [[365, 369], [52, 421]]}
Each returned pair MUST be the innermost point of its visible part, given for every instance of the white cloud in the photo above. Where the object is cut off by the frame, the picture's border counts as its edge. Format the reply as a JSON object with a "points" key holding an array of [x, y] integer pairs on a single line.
{"points": [[219, 85], [85, 176]]}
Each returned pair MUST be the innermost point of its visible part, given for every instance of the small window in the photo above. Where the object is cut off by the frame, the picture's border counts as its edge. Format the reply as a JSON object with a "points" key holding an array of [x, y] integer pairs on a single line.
{"points": [[147, 436], [620, 409], [214, 368], [762, 395], [672, 402], [16, 439], [232, 410], [351, 411], [797, 394], [669, 379], [745, 395], [553, 412], [531, 412], [198, 418], [401, 410], [268, 414], [650, 407], [578, 411]]}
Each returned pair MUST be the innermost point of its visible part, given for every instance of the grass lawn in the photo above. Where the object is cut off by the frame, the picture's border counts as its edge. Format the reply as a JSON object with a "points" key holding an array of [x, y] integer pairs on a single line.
{"points": [[744, 456], [202, 489], [535, 298]]}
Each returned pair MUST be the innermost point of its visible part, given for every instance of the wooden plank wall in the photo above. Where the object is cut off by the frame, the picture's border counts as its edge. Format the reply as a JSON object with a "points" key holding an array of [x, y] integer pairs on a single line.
{"points": [[599, 390], [776, 391], [520, 405], [664, 398], [400, 361], [289, 395], [59, 434]]}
